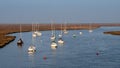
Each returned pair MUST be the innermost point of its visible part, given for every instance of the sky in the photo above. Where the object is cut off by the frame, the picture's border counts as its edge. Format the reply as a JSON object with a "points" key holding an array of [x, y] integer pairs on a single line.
{"points": [[60, 11]]}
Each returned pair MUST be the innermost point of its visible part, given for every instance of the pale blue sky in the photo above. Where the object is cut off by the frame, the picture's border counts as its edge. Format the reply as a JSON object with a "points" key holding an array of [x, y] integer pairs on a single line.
{"points": [[72, 11]]}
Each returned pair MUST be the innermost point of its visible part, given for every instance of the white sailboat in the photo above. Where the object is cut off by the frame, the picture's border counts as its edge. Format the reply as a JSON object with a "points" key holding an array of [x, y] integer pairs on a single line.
{"points": [[90, 31], [53, 33], [74, 35], [80, 31], [32, 48], [90, 28], [20, 41], [38, 33], [53, 38], [65, 28], [60, 40], [53, 45], [34, 31]]}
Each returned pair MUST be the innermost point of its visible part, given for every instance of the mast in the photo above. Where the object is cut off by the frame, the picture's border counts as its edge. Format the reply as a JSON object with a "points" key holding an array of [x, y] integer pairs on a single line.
{"points": [[20, 32]]}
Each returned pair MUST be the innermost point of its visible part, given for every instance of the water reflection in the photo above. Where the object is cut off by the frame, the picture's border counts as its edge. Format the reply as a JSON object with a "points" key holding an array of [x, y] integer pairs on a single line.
{"points": [[31, 60], [61, 44], [54, 57], [53, 48], [20, 45]]}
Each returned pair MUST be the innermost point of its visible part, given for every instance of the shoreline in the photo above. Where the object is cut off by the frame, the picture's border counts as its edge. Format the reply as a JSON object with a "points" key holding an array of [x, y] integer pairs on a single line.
{"points": [[6, 29], [112, 32]]}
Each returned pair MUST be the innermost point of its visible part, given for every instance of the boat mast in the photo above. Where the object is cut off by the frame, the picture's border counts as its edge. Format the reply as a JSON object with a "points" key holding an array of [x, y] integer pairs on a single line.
{"points": [[20, 32], [61, 29]]}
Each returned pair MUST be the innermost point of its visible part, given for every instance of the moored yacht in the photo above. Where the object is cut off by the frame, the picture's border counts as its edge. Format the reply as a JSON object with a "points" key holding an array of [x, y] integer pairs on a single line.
{"points": [[52, 37], [53, 45], [20, 41], [65, 31], [80, 33], [31, 49], [90, 28], [60, 41]]}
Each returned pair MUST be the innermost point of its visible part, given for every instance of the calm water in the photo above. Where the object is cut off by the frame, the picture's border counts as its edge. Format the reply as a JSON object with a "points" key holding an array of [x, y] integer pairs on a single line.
{"points": [[79, 52]]}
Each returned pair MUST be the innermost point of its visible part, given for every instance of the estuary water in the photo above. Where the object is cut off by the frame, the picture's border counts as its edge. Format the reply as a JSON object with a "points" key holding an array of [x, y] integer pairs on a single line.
{"points": [[89, 50]]}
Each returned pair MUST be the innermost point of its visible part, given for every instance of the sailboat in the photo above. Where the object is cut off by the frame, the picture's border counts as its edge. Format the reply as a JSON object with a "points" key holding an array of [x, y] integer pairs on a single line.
{"points": [[53, 45], [60, 41], [80, 31], [74, 35], [36, 31], [20, 42], [65, 28], [33, 31], [32, 48], [53, 38], [90, 28], [53, 33]]}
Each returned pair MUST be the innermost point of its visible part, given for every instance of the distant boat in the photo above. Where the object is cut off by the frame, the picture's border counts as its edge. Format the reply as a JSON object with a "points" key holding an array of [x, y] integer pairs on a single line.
{"points": [[65, 28], [60, 41], [90, 28], [74, 35], [53, 37], [90, 31], [36, 32], [53, 45], [65, 31], [20, 42], [39, 34], [80, 31], [32, 48], [33, 31]]}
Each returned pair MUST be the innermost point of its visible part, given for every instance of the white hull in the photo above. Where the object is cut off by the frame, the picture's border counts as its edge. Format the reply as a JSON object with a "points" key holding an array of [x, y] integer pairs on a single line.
{"points": [[39, 34], [65, 32], [31, 49], [81, 33], [34, 35], [90, 31], [52, 38], [60, 35], [60, 41], [74, 35], [53, 45]]}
